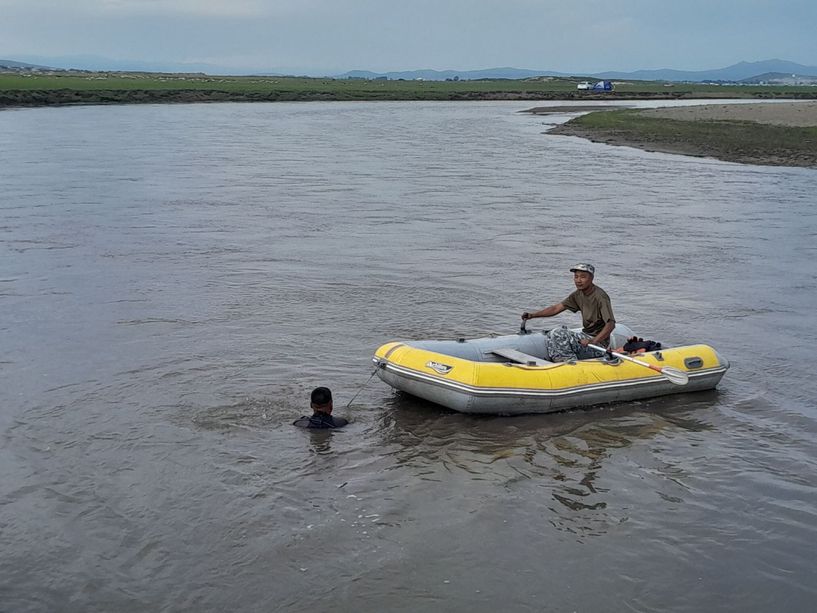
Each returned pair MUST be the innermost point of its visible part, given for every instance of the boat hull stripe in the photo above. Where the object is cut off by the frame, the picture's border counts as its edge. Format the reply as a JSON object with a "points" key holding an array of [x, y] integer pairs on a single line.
{"points": [[531, 392]]}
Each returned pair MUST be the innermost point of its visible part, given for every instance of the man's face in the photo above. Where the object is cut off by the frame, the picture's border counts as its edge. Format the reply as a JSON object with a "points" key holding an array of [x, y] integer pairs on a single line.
{"points": [[582, 279]]}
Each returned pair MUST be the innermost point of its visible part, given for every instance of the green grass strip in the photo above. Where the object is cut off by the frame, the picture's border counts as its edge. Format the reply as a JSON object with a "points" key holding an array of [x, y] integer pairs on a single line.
{"points": [[729, 140]]}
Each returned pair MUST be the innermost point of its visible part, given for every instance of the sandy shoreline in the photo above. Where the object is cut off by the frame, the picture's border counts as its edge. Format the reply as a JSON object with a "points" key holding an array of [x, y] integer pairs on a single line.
{"points": [[575, 108], [802, 114], [784, 133]]}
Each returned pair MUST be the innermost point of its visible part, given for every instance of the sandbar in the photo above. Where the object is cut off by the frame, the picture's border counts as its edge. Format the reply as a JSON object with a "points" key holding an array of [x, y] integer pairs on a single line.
{"points": [[767, 133]]}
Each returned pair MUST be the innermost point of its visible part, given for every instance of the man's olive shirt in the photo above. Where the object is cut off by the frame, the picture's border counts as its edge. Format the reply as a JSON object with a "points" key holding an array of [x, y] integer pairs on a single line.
{"points": [[596, 309]]}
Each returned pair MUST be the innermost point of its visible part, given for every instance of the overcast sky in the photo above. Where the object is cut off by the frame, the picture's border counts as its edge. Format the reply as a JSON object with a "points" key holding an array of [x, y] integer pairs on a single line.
{"points": [[333, 36]]}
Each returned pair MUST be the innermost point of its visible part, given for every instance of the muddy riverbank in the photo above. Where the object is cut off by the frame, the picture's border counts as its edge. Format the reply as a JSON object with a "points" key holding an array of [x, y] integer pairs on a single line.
{"points": [[779, 134]]}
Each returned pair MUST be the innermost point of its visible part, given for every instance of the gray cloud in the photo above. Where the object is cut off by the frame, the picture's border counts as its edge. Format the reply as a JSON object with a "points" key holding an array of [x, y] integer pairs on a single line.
{"points": [[323, 36]]}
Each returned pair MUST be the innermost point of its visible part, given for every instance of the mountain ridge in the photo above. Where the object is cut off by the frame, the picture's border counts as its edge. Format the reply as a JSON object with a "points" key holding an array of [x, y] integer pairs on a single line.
{"points": [[734, 73]]}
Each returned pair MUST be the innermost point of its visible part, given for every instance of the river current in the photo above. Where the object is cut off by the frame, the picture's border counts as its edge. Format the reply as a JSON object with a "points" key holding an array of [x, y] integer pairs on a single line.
{"points": [[174, 280]]}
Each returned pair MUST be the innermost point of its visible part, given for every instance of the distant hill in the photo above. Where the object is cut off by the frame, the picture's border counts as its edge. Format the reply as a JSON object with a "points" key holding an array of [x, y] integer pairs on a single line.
{"points": [[442, 75], [743, 71], [781, 78], [103, 64], [12, 65], [736, 72]]}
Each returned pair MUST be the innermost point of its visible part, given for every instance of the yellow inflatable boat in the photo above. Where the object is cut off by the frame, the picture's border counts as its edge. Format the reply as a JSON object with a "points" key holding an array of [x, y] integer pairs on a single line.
{"points": [[508, 375]]}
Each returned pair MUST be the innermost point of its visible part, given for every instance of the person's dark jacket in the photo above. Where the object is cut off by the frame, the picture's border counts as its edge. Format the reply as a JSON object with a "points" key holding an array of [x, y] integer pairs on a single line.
{"points": [[320, 420]]}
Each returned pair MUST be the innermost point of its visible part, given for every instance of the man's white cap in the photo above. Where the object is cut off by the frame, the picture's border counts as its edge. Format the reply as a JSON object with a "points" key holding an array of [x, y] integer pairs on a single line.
{"points": [[584, 268]]}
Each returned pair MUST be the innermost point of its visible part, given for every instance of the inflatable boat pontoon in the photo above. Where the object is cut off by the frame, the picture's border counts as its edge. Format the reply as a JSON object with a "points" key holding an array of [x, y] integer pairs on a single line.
{"points": [[509, 375]]}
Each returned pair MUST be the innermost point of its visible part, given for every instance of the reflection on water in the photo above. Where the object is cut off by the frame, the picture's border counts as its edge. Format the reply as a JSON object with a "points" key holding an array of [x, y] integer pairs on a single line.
{"points": [[564, 455]]}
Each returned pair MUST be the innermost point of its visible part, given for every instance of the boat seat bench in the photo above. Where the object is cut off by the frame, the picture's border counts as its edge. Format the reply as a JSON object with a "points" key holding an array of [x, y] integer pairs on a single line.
{"points": [[521, 358]]}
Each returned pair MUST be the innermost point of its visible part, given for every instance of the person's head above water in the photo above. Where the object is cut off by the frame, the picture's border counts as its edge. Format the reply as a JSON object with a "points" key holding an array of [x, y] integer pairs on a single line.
{"points": [[321, 400]]}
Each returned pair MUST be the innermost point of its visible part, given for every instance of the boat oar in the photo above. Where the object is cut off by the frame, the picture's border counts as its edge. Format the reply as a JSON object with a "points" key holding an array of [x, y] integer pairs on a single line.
{"points": [[673, 375]]}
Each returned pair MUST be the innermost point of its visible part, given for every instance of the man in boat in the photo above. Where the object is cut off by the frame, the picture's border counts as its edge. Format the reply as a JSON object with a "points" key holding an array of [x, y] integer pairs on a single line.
{"points": [[321, 403], [597, 319]]}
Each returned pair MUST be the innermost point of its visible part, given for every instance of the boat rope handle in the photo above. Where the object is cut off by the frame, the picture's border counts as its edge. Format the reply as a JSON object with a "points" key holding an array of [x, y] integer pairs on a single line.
{"points": [[374, 372]]}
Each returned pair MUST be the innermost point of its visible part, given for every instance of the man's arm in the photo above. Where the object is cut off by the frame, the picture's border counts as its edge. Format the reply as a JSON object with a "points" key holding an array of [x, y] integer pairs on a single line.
{"points": [[550, 311]]}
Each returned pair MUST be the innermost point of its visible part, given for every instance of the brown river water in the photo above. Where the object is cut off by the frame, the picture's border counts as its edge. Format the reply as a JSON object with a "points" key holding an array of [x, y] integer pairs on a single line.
{"points": [[174, 280]]}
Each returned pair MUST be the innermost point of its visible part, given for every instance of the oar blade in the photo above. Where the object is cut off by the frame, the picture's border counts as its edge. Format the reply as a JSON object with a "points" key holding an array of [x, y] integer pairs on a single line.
{"points": [[678, 377]]}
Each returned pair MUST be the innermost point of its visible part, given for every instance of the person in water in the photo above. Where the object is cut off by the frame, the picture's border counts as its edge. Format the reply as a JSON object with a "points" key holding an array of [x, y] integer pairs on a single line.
{"points": [[598, 321], [321, 403]]}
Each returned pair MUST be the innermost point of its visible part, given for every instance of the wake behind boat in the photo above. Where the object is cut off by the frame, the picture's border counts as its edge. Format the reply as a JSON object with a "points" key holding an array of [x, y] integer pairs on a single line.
{"points": [[510, 375]]}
